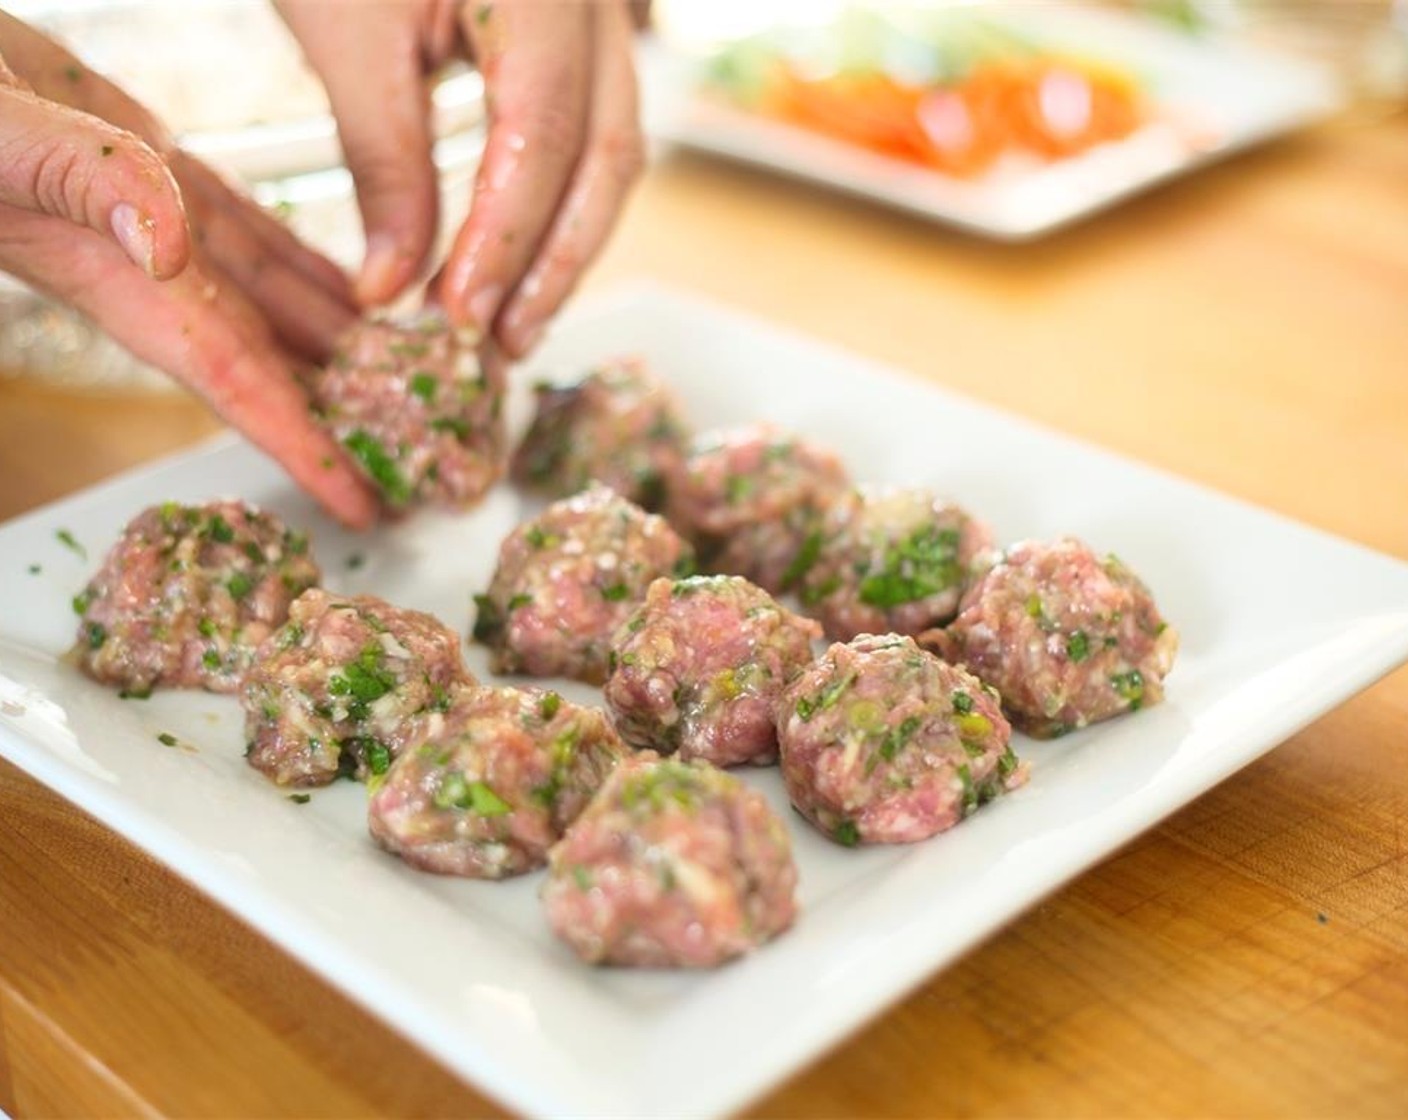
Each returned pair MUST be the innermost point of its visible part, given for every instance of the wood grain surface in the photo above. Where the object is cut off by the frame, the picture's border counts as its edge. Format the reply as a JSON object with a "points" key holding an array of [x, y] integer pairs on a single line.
{"points": [[1247, 328]]}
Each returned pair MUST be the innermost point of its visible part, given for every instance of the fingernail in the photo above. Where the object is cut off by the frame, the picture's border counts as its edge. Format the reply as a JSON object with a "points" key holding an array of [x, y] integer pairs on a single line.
{"points": [[483, 306], [135, 234], [378, 277]]}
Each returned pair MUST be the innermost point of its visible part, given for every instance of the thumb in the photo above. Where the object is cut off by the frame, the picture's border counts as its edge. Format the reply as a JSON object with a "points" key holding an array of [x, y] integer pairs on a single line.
{"points": [[67, 164]]}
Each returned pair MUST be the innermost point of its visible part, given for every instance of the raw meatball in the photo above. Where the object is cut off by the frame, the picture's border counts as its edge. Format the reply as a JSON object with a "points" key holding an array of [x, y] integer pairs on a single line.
{"points": [[418, 408], [568, 579], [492, 783], [187, 594], [619, 425], [1066, 637], [672, 863], [892, 560], [698, 669], [344, 686], [752, 500], [883, 743]]}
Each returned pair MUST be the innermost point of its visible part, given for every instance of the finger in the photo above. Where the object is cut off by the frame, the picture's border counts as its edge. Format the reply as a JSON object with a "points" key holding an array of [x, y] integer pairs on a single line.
{"points": [[307, 317], [65, 164], [201, 330], [538, 92], [610, 166], [372, 68], [276, 239]]}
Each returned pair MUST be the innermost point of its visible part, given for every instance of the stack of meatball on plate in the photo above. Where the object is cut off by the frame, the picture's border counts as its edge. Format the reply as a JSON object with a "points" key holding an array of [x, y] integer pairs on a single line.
{"points": [[692, 578]]}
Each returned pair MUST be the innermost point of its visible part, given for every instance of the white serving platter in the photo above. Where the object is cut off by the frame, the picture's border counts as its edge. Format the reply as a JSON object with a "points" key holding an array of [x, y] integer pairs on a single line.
{"points": [[1279, 623], [1210, 98]]}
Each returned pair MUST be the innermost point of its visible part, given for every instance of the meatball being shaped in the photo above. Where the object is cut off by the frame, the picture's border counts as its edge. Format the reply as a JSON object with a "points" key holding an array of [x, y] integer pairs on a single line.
{"points": [[752, 499], [672, 864], [892, 560], [699, 666], [187, 594], [568, 579], [344, 686], [1066, 636], [418, 408], [883, 743], [491, 784], [619, 425]]}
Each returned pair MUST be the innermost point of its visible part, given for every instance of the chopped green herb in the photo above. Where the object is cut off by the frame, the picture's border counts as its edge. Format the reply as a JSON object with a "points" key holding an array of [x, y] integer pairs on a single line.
{"points": [[424, 385], [1034, 607], [206, 626], [685, 566], [210, 659], [923, 564], [70, 542], [736, 488], [97, 634], [379, 465], [143, 692], [409, 349], [582, 877], [166, 739], [378, 756], [35, 569], [1078, 646], [365, 680], [82, 602], [454, 424], [548, 706], [898, 737], [295, 544], [806, 708], [815, 593], [846, 834], [537, 538], [240, 584], [300, 798], [1130, 686], [803, 562], [220, 529], [488, 620], [962, 702], [457, 793], [970, 794], [522, 599], [355, 560], [1007, 763], [615, 593]]}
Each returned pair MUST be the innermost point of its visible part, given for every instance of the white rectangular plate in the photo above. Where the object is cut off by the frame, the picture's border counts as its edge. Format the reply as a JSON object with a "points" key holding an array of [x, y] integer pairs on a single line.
{"points": [[1279, 623], [1210, 98]]}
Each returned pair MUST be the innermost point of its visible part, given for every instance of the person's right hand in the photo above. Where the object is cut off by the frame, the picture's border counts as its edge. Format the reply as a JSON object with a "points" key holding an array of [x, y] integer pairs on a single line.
{"points": [[99, 208]]}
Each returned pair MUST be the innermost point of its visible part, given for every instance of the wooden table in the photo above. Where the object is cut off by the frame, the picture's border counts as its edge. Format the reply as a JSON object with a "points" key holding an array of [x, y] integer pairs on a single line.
{"points": [[1247, 328]]}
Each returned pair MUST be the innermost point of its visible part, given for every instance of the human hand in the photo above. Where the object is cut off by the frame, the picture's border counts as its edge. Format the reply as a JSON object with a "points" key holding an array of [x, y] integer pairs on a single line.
{"points": [[100, 209], [563, 147]]}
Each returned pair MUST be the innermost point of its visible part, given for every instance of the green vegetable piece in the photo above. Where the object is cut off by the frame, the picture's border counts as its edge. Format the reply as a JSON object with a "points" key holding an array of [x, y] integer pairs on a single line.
{"points": [[477, 797], [210, 659], [894, 742], [300, 798], [82, 602], [962, 702], [166, 739], [423, 385], [143, 692], [96, 633], [846, 834], [582, 877], [355, 560], [974, 725], [1008, 763], [803, 562], [377, 755], [923, 564], [488, 620], [206, 626], [549, 705], [70, 542], [1130, 686], [1077, 646], [220, 529], [380, 466], [615, 593], [240, 584]]}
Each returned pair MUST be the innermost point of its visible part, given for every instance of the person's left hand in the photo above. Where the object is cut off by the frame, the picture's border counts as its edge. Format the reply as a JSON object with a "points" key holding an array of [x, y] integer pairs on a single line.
{"points": [[99, 208]]}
